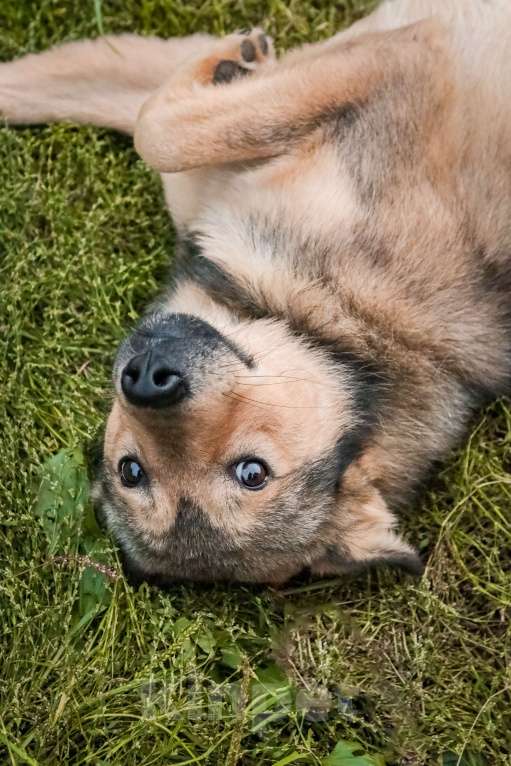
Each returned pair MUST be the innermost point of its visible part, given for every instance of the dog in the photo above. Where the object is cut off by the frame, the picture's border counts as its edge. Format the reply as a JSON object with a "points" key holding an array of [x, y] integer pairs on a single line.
{"points": [[341, 299]]}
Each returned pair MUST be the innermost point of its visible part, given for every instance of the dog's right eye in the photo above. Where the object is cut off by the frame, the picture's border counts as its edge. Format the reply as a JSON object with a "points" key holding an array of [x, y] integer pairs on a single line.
{"points": [[130, 471]]}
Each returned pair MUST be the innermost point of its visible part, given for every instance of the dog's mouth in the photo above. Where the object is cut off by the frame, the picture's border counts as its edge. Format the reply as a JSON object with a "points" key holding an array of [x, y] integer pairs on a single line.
{"points": [[230, 570], [193, 549], [177, 563]]}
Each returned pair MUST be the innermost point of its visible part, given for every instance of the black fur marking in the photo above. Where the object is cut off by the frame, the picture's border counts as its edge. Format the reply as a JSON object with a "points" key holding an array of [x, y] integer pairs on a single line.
{"points": [[334, 119], [194, 534], [322, 478], [220, 286], [187, 335], [133, 573], [112, 496], [94, 455], [341, 118], [194, 549], [349, 447], [494, 275]]}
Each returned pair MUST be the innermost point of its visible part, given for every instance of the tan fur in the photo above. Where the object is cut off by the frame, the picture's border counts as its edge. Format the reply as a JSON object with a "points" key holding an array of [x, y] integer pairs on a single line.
{"points": [[352, 204], [239, 413]]}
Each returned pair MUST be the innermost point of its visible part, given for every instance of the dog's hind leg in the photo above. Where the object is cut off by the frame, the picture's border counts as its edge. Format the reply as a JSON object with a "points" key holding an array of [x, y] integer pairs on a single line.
{"points": [[105, 81], [100, 82]]}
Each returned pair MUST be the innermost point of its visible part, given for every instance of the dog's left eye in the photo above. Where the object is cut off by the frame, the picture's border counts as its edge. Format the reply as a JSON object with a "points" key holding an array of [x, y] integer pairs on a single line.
{"points": [[130, 471], [251, 474]]}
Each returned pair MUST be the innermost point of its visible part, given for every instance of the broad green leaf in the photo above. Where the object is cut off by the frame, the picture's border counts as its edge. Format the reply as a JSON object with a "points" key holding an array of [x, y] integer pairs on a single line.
{"points": [[94, 591], [206, 641], [270, 689], [291, 758], [350, 754], [180, 625], [70, 526], [232, 657], [271, 674], [62, 496], [91, 528], [271, 696], [188, 649]]}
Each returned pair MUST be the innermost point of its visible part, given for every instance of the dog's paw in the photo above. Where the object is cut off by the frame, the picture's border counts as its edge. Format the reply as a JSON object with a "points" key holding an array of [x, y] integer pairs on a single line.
{"points": [[240, 54]]}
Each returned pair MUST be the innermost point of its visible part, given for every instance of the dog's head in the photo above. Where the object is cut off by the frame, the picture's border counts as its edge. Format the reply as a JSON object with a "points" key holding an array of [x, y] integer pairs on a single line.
{"points": [[232, 452]]}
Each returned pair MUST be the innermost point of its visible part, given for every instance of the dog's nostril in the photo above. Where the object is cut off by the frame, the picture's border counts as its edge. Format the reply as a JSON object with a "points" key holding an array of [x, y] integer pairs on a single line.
{"points": [[162, 376], [132, 373]]}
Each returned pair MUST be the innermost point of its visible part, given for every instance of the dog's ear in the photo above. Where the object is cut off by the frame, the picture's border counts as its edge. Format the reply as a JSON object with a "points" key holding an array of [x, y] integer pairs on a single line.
{"points": [[365, 533], [265, 115]]}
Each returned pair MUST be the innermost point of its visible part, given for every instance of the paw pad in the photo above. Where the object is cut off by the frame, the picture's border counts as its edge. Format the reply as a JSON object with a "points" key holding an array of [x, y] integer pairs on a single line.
{"points": [[226, 71], [248, 51], [243, 52], [263, 44]]}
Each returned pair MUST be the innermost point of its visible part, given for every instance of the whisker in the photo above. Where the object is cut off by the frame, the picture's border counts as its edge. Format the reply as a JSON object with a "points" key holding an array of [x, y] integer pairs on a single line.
{"points": [[285, 379], [247, 400], [279, 380]]}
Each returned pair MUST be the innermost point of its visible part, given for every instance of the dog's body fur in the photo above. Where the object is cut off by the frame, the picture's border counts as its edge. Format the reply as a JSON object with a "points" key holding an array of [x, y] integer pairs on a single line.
{"points": [[345, 216]]}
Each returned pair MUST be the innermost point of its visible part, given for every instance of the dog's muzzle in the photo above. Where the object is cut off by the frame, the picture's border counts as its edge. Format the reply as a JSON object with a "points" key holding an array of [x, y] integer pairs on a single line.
{"points": [[167, 357]]}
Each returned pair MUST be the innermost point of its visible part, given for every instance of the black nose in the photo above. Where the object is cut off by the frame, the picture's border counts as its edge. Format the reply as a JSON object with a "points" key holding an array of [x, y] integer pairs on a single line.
{"points": [[148, 381]]}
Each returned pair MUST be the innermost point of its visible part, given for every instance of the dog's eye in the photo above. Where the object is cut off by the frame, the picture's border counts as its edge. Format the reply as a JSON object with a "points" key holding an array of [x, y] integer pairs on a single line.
{"points": [[252, 473], [130, 471]]}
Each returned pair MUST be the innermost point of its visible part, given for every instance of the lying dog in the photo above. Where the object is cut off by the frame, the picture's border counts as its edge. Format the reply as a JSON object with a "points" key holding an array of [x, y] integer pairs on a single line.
{"points": [[341, 300]]}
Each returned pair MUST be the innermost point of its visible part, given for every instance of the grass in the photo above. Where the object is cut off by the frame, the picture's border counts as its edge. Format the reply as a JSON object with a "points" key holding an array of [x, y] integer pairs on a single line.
{"points": [[413, 672]]}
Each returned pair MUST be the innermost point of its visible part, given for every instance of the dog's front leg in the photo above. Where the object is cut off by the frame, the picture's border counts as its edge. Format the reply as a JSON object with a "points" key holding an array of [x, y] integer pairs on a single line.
{"points": [[270, 112]]}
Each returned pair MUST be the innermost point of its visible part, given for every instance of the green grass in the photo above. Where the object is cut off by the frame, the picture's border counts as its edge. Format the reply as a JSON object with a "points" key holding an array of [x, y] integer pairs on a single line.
{"points": [[417, 671]]}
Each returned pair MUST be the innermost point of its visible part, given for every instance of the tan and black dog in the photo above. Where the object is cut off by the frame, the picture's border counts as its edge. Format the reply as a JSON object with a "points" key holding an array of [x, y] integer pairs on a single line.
{"points": [[342, 295]]}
